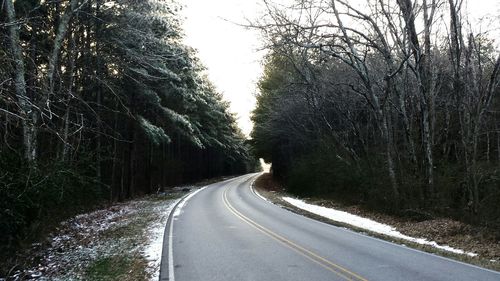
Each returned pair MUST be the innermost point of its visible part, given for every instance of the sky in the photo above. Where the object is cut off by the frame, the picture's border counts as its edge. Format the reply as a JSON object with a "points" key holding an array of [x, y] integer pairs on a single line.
{"points": [[230, 52]]}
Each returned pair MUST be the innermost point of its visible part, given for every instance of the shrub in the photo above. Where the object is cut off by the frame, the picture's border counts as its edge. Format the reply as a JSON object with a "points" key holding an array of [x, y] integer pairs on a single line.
{"points": [[325, 173], [34, 199]]}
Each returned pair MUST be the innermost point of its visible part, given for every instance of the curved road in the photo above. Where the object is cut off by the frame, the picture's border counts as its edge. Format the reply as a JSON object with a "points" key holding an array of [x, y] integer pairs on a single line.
{"points": [[226, 232]]}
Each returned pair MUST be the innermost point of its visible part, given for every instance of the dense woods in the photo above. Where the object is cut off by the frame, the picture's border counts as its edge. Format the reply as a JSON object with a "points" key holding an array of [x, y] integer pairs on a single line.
{"points": [[393, 104], [101, 100]]}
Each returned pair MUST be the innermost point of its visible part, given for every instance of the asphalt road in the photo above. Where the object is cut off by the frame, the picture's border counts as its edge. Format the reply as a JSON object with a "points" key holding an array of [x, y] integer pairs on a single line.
{"points": [[226, 232]]}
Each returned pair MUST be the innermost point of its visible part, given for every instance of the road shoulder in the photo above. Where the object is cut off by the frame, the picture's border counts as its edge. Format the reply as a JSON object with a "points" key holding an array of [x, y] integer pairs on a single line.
{"points": [[444, 231]]}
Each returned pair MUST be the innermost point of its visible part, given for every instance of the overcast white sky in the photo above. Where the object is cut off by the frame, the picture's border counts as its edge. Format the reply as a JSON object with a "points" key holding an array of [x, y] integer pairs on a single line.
{"points": [[230, 51]]}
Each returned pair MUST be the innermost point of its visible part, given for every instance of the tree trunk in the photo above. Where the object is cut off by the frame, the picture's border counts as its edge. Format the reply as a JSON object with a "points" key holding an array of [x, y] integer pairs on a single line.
{"points": [[498, 147], [488, 147], [427, 142], [71, 67], [132, 163], [98, 74], [390, 161], [29, 116], [58, 41], [424, 79]]}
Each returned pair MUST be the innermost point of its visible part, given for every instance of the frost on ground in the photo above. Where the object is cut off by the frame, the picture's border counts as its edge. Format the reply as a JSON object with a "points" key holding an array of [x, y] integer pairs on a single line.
{"points": [[121, 242], [153, 248], [368, 224]]}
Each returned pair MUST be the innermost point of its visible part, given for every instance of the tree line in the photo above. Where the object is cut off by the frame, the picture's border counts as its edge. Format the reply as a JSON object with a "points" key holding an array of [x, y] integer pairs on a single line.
{"points": [[390, 103], [101, 100]]}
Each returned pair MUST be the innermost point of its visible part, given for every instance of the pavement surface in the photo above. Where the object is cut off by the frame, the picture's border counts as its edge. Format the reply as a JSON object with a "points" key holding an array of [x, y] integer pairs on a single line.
{"points": [[225, 231]]}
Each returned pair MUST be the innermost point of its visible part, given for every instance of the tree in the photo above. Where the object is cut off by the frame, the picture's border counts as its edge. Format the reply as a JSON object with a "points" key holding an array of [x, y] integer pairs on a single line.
{"points": [[387, 79], [102, 101]]}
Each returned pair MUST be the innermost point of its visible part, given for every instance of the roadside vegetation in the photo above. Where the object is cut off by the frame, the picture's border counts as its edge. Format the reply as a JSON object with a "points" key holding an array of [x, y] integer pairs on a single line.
{"points": [[100, 101], [479, 244], [119, 242], [393, 106]]}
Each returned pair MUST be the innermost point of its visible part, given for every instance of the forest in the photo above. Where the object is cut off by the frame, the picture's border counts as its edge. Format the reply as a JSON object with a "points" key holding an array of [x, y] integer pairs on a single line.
{"points": [[392, 104], [101, 101]]}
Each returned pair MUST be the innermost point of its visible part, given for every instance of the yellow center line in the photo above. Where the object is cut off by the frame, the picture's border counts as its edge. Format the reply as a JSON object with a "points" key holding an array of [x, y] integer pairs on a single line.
{"points": [[337, 269]]}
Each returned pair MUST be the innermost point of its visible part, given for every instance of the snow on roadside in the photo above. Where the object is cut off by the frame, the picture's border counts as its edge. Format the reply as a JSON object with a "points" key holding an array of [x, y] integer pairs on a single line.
{"points": [[368, 224], [131, 230], [153, 249]]}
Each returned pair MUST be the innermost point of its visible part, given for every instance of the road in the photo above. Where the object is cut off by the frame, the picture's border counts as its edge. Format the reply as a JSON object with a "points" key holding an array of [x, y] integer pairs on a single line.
{"points": [[226, 232]]}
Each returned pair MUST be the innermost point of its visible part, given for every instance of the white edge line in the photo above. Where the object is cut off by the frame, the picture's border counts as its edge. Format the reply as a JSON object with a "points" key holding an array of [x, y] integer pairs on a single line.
{"points": [[178, 205], [394, 243], [181, 203], [171, 252], [256, 193], [382, 240]]}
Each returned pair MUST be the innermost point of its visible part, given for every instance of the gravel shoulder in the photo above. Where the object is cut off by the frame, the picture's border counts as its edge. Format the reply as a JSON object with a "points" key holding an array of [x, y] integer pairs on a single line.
{"points": [[442, 230]]}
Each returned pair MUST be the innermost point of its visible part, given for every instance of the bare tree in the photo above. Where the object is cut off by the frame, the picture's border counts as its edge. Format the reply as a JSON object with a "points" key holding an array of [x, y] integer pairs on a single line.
{"points": [[397, 52], [475, 90]]}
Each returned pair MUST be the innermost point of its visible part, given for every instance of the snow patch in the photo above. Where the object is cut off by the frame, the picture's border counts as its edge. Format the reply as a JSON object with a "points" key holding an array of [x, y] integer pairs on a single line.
{"points": [[152, 251], [368, 224]]}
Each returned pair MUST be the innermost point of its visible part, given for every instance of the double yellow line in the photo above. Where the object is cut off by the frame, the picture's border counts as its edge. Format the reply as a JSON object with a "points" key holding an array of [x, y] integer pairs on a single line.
{"points": [[337, 269]]}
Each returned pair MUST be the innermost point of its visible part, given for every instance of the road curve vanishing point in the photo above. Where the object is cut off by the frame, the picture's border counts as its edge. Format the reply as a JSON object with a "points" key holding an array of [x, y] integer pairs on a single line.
{"points": [[227, 232]]}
